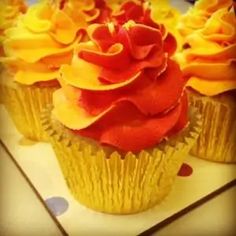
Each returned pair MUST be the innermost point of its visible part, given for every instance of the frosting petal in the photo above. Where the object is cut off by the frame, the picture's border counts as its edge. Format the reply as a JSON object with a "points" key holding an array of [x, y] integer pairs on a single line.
{"points": [[211, 88], [87, 76], [10, 11], [211, 70], [125, 128], [78, 118]]}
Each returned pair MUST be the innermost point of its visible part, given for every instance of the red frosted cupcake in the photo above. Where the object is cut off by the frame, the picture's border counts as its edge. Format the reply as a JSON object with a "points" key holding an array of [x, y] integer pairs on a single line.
{"points": [[120, 125]]}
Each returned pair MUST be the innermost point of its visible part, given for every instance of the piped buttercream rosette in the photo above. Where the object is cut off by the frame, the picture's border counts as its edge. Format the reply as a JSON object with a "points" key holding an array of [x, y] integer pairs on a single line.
{"points": [[122, 89], [9, 12], [209, 62], [196, 17], [141, 12], [45, 36]]}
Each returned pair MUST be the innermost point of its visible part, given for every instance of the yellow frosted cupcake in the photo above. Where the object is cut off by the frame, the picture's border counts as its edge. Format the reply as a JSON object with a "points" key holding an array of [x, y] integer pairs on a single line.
{"points": [[196, 17], [35, 48], [120, 125], [209, 64]]}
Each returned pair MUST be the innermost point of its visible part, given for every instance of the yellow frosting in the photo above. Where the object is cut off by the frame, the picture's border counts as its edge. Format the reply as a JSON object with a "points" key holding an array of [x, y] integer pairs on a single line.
{"points": [[196, 17], [44, 38], [209, 63], [211, 88], [9, 11]]}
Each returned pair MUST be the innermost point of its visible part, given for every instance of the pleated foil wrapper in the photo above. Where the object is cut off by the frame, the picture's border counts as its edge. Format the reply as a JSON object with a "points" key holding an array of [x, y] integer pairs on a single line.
{"points": [[108, 181], [1, 78], [24, 104], [1, 95], [217, 141]]}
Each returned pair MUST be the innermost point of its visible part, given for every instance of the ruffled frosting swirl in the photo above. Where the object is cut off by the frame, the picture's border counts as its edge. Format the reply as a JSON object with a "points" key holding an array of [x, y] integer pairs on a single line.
{"points": [[197, 16], [122, 89], [209, 63], [140, 12], [44, 38], [149, 12], [9, 11]]}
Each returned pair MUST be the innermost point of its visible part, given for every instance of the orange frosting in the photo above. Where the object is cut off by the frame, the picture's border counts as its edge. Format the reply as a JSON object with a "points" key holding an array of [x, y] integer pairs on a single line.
{"points": [[9, 11], [196, 17], [209, 63], [121, 88], [45, 36]]}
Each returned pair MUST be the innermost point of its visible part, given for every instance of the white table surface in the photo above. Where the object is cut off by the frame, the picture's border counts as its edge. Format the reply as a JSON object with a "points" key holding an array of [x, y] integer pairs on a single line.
{"points": [[22, 213]]}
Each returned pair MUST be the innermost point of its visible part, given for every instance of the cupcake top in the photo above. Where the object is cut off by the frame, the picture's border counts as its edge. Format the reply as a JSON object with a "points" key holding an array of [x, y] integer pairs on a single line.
{"points": [[140, 11], [197, 16], [44, 37], [122, 89], [209, 62], [163, 13], [9, 11]]}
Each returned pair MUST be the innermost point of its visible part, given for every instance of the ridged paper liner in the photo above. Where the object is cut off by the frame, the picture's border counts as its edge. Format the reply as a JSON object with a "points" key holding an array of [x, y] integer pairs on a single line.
{"points": [[110, 182], [217, 141], [24, 104], [1, 78], [1, 95]]}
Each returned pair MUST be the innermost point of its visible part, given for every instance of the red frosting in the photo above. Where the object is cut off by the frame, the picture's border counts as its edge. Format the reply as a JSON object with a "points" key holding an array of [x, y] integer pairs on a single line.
{"points": [[105, 11], [140, 12], [145, 111]]}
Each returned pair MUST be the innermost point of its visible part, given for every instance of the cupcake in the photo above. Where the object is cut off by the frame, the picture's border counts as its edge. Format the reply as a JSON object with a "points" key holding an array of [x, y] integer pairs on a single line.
{"points": [[196, 17], [42, 40], [209, 65], [120, 125]]}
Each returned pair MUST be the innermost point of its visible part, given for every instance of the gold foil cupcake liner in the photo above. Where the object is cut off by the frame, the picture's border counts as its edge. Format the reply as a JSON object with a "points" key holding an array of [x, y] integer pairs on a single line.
{"points": [[24, 104], [217, 141], [1, 78], [1, 95], [108, 181]]}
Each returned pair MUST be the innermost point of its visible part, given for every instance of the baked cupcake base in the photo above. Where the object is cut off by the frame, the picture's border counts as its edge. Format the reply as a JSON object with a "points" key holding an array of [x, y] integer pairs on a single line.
{"points": [[217, 141], [24, 105], [108, 181]]}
